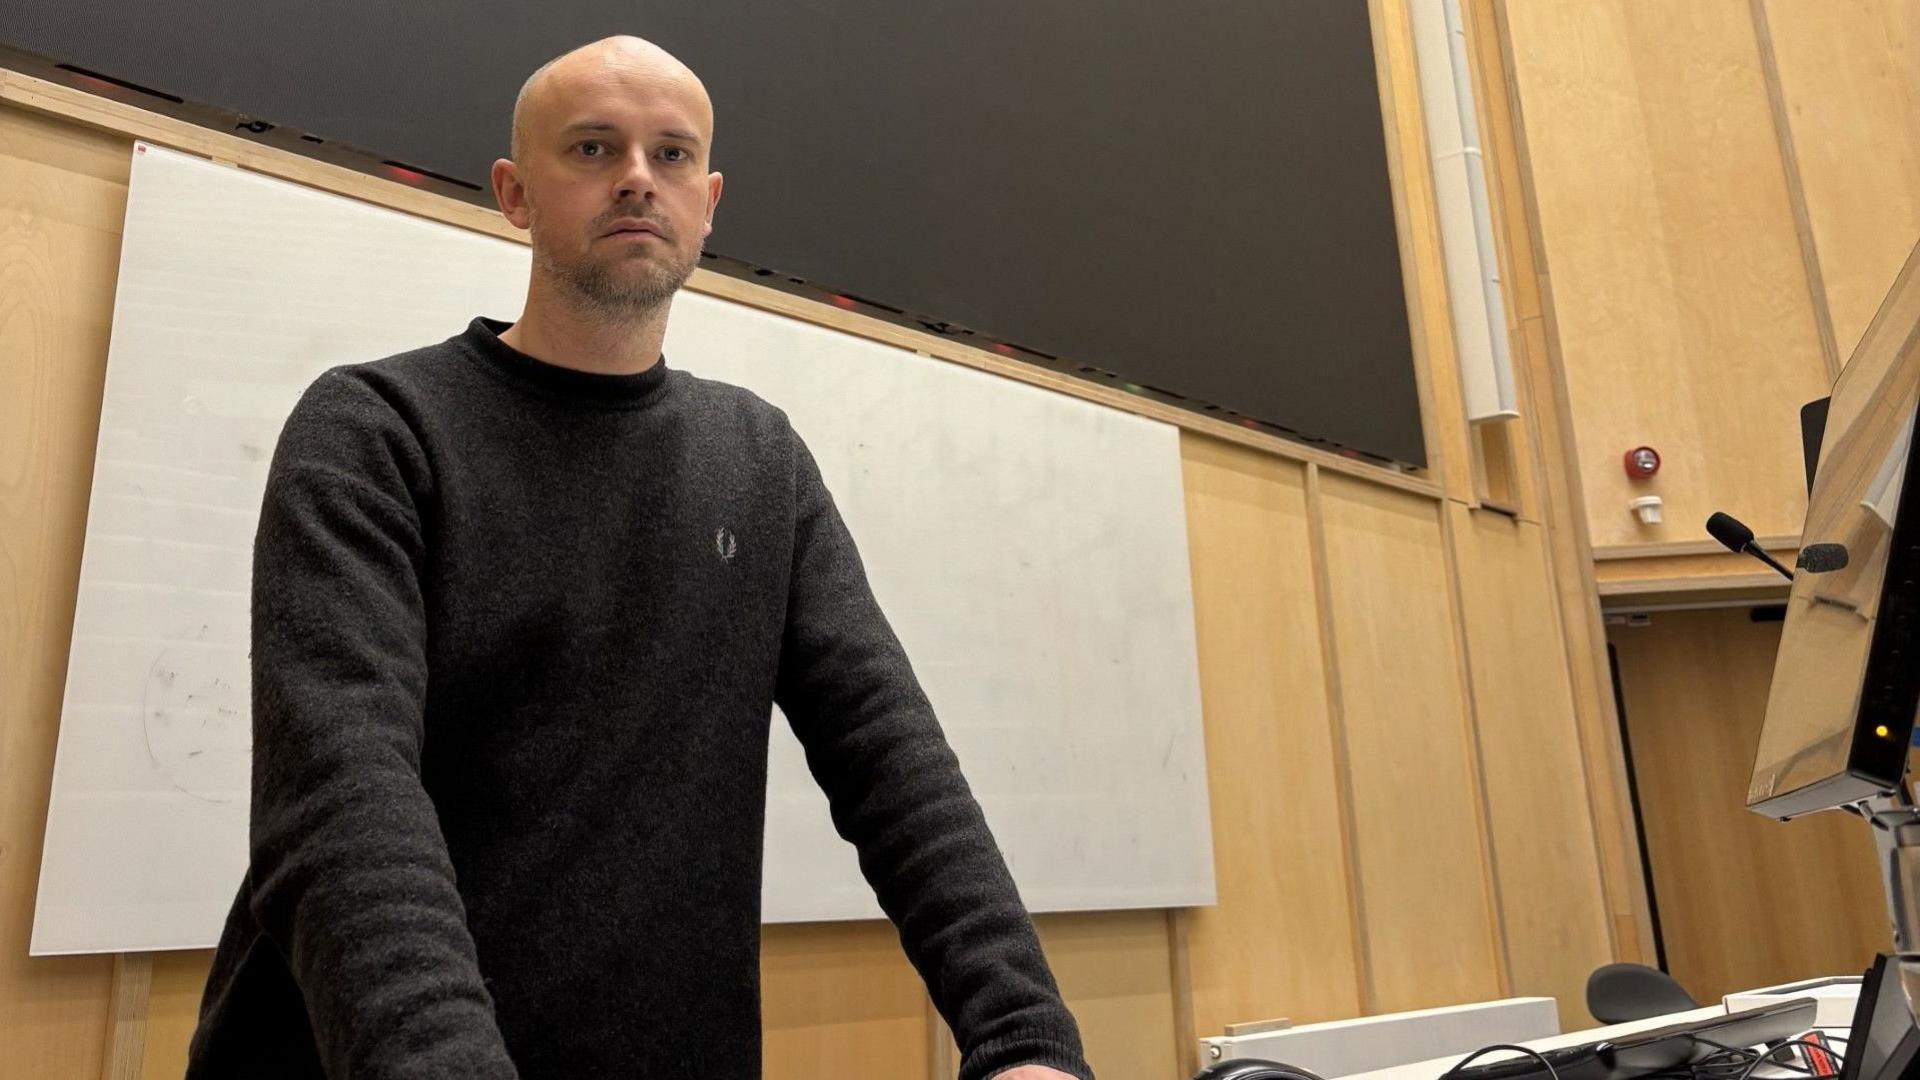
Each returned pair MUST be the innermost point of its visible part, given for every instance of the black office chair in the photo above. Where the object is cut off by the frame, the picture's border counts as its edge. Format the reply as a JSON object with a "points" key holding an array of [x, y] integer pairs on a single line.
{"points": [[1618, 993], [1253, 1069]]}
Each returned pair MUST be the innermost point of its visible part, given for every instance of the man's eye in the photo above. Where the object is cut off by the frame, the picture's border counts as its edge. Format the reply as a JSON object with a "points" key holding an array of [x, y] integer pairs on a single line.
{"points": [[675, 150], [590, 145]]}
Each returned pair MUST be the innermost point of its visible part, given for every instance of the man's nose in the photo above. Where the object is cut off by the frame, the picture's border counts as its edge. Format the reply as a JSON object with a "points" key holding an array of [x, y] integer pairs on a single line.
{"points": [[636, 175]]}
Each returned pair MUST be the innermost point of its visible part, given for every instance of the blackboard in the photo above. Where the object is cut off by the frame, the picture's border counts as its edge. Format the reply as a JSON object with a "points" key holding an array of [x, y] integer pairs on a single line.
{"points": [[1193, 197]]}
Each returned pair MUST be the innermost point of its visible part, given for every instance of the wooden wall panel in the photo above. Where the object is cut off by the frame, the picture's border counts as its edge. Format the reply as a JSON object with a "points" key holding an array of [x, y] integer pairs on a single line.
{"points": [[1545, 857], [1552, 495], [1425, 898], [1849, 81], [1722, 192], [1683, 311], [63, 195], [1282, 940], [1744, 901], [1116, 973], [840, 999], [1116, 976], [173, 1011]]}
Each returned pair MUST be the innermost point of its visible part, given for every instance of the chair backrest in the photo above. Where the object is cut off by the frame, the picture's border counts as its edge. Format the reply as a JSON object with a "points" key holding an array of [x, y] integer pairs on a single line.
{"points": [[1617, 993]]}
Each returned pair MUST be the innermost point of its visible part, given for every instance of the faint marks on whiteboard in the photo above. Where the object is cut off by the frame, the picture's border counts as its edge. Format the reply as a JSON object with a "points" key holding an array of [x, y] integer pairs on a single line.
{"points": [[194, 714]]}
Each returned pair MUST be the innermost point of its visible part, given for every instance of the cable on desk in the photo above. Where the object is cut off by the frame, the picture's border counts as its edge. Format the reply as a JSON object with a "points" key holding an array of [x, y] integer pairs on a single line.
{"points": [[1761, 1059], [1742, 1057], [1485, 1050]]}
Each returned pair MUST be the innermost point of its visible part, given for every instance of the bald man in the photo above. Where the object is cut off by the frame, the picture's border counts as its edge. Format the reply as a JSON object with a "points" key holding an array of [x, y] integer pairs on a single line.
{"points": [[523, 603]]}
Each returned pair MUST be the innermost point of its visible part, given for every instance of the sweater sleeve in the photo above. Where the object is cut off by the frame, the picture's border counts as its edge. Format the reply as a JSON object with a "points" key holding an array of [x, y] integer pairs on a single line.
{"points": [[896, 793], [350, 877]]}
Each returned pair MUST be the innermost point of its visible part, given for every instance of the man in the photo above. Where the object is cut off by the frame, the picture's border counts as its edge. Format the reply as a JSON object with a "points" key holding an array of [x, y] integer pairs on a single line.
{"points": [[523, 602]]}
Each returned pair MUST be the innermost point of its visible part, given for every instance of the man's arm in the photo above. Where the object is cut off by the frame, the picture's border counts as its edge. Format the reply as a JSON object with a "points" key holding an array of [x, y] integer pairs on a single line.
{"points": [[350, 876], [897, 795]]}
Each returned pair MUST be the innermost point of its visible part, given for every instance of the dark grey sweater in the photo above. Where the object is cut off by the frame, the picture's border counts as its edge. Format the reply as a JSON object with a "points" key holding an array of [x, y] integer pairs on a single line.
{"points": [[517, 635]]}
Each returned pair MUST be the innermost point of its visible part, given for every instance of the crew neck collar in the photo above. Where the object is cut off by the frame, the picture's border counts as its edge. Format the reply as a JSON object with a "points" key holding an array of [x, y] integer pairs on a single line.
{"points": [[482, 336]]}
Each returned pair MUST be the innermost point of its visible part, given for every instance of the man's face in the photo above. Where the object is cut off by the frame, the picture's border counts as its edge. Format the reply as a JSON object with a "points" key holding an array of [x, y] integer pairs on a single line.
{"points": [[613, 183]]}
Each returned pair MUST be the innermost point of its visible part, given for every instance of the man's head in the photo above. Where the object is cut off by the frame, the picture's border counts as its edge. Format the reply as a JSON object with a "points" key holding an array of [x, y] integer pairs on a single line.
{"points": [[616, 133]]}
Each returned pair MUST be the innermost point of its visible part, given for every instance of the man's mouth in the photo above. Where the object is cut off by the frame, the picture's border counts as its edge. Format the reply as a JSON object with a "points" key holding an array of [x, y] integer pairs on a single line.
{"points": [[635, 227]]}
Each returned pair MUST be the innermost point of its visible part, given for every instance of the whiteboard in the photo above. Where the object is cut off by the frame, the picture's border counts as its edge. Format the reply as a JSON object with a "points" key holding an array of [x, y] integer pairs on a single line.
{"points": [[1029, 548]]}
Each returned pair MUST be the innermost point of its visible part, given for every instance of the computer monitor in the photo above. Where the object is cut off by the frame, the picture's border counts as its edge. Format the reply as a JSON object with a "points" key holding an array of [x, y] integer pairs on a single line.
{"points": [[1846, 682]]}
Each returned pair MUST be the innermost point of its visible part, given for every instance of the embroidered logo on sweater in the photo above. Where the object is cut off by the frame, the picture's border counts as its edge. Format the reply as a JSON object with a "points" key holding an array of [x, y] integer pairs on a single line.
{"points": [[724, 544]]}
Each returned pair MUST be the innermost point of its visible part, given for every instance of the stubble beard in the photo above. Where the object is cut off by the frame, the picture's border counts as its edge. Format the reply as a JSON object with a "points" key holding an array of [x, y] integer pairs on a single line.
{"points": [[611, 290]]}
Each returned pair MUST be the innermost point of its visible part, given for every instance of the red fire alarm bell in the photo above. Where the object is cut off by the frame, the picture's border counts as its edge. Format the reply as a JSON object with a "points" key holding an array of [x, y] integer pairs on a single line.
{"points": [[1642, 463]]}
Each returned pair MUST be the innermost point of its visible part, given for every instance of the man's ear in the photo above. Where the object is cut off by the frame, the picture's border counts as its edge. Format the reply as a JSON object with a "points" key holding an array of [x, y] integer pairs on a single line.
{"points": [[510, 193], [714, 183]]}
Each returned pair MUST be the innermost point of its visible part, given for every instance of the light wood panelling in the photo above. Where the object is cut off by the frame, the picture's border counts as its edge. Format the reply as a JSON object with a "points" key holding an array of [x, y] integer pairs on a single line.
{"points": [[1682, 306], [1115, 975], [840, 999], [1550, 476], [1115, 972], [127, 1019], [63, 195], [1689, 578], [1281, 942], [1425, 889], [173, 1010], [1551, 901], [1773, 545], [1496, 467], [1796, 190], [1744, 901], [1849, 81], [1604, 59]]}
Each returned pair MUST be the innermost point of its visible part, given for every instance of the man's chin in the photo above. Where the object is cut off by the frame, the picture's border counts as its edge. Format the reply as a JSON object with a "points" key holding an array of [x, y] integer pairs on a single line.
{"points": [[636, 292]]}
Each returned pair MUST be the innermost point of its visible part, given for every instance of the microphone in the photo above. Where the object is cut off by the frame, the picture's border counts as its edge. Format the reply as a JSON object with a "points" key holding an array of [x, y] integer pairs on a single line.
{"points": [[1822, 558], [1738, 538]]}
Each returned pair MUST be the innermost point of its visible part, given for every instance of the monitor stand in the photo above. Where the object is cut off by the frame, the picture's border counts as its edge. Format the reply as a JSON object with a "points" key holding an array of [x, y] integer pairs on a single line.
{"points": [[1884, 1043]]}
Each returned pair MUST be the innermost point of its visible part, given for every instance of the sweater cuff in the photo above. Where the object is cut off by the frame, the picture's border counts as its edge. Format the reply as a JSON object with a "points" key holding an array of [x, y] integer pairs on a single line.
{"points": [[991, 1059]]}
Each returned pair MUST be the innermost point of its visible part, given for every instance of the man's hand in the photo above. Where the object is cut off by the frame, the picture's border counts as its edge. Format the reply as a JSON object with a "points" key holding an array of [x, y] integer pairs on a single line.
{"points": [[1032, 1072]]}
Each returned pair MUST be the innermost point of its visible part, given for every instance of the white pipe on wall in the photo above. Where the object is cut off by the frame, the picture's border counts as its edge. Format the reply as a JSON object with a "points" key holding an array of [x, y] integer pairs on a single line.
{"points": [[1472, 262]]}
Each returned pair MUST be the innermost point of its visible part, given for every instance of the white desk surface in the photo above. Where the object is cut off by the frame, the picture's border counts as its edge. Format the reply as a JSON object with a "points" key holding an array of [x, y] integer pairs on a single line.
{"points": [[1428, 1070]]}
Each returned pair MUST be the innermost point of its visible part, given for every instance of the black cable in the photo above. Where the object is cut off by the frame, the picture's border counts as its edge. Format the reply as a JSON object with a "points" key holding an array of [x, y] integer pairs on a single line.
{"points": [[1724, 1066], [1739, 1051], [1485, 1050], [1762, 1059], [1743, 1054], [1758, 1058]]}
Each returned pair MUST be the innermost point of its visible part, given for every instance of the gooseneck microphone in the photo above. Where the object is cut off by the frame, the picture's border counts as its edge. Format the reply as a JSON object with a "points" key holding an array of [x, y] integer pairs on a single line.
{"points": [[1730, 531], [1822, 558]]}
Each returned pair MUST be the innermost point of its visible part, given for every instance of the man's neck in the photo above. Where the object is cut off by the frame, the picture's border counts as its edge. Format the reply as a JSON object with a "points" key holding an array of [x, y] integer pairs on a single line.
{"points": [[567, 337]]}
